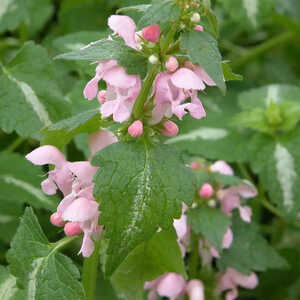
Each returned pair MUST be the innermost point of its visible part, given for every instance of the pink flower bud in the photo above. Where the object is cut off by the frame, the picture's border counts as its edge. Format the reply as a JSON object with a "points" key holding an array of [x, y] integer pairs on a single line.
{"points": [[72, 228], [151, 33], [102, 96], [199, 28], [195, 290], [136, 129], [172, 64], [194, 165], [206, 191], [171, 129], [57, 220]]}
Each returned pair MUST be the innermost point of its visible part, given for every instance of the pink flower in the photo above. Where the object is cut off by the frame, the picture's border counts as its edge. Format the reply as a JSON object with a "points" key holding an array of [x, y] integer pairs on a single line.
{"points": [[57, 220], [125, 27], [221, 167], [199, 28], [171, 129], [122, 90], [194, 165], [100, 139], [170, 285], [171, 90], [151, 33], [101, 96], [230, 199], [195, 290], [232, 279], [206, 191], [136, 128], [172, 64], [72, 228]]}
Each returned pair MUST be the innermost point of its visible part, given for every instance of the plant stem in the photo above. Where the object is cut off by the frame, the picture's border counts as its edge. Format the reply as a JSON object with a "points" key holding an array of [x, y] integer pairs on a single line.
{"points": [[258, 50], [16, 143], [244, 171], [63, 242], [90, 273], [142, 97]]}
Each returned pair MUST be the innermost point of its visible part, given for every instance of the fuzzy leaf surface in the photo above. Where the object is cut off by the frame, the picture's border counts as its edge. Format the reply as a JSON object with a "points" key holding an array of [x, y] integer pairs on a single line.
{"points": [[138, 198], [41, 271]]}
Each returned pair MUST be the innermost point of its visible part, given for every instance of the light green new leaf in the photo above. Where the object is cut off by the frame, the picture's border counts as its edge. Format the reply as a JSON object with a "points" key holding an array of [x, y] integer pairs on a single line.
{"points": [[131, 60], [210, 222], [228, 74], [61, 133], [138, 198], [146, 262], [159, 12], [20, 183], [249, 250], [29, 95], [202, 49], [41, 271]]}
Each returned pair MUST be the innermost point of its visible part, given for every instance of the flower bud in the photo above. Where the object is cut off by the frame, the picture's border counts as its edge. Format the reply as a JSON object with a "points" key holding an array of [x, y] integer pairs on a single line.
{"points": [[195, 18], [212, 203], [172, 64], [195, 290], [56, 219], [153, 59], [72, 228], [206, 191], [151, 33], [194, 165], [171, 129], [199, 28], [102, 96], [136, 129]]}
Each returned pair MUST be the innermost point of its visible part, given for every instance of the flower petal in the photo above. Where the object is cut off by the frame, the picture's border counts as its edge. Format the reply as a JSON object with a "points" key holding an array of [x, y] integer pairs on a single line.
{"points": [[187, 79]]}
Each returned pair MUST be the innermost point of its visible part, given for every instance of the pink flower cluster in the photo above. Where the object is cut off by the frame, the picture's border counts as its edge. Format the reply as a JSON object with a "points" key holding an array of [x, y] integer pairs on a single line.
{"points": [[78, 210], [173, 285], [171, 87]]}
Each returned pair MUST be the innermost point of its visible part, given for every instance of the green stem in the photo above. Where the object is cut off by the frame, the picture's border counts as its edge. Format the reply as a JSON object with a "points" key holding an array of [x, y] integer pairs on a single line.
{"points": [[16, 143], [193, 262], [63, 242], [90, 272], [142, 97], [148, 83], [244, 171], [23, 33], [264, 47]]}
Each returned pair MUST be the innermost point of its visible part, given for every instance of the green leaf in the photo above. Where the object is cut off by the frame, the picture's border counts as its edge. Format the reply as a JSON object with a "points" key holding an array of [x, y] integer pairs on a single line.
{"points": [[264, 96], [20, 183], [136, 8], [277, 163], [61, 133], [28, 91], [146, 262], [228, 74], [138, 198], [249, 250], [40, 270], [248, 13], [160, 11], [210, 222], [8, 286], [131, 60], [202, 49], [13, 12]]}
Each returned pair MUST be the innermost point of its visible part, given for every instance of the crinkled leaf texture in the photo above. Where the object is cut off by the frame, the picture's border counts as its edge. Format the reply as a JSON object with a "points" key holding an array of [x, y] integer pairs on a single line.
{"points": [[41, 271], [61, 133], [160, 11], [29, 95], [211, 222], [249, 250], [202, 49], [140, 187], [131, 60], [146, 262]]}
